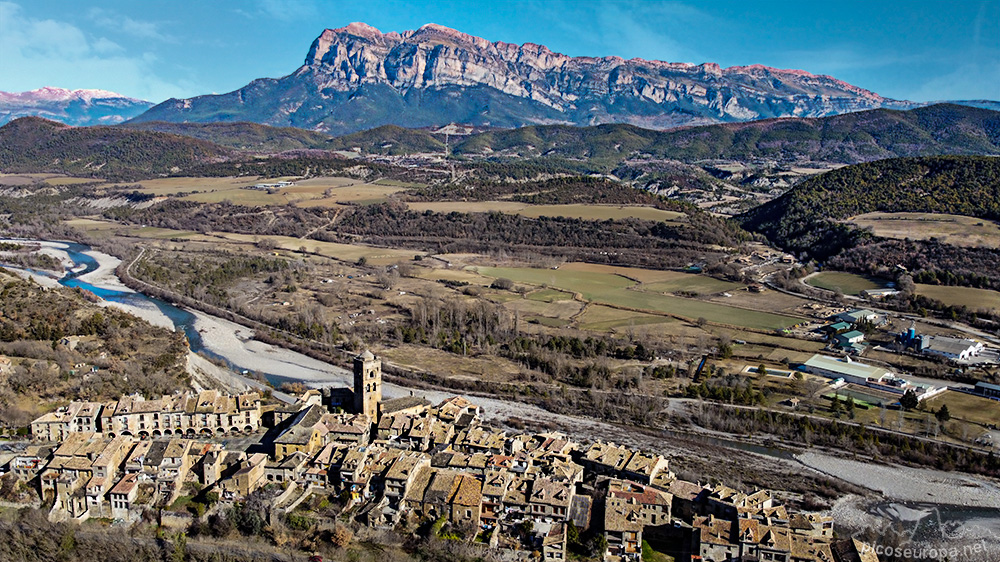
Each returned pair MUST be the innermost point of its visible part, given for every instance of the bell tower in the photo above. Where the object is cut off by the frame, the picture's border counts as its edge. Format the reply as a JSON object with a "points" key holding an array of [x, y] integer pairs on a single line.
{"points": [[367, 384]]}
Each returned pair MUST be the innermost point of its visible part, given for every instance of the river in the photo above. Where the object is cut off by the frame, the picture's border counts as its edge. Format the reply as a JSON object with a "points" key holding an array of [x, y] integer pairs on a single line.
{"points": [[232, 344]]}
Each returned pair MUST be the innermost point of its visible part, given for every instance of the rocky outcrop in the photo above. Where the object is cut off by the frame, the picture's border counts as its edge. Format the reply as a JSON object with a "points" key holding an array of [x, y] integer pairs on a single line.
{"points": [[357, 77], [72, 107]]}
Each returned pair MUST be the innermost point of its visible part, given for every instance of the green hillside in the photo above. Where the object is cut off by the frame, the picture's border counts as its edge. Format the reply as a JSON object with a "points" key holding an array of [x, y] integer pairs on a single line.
{"points": [[241, 136], [849, 139], [805, 218], [389, 139], [33, 144]]}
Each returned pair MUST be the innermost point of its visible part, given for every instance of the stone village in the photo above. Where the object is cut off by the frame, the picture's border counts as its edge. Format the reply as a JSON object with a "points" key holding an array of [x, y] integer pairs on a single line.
{"points": [[400, 462]]}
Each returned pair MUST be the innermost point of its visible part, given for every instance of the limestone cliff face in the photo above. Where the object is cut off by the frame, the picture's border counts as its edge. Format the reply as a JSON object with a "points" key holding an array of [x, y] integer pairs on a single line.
{"points": [[357, 77]]}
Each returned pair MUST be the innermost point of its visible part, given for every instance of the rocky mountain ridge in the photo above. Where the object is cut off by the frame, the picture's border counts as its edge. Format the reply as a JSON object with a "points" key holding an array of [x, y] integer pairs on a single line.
{"points": [[357, 77], [72, 107]]}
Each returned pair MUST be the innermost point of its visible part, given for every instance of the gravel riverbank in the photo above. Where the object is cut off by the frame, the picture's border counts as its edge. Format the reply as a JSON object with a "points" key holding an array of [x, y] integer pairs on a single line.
{"points": [[909, 484]]}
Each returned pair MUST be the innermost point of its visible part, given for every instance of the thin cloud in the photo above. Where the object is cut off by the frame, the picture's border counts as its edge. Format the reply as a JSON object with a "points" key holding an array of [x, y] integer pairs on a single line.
{"points": [[629, 30], [287, 10], [32, 59], [967, 81], [109, 19]]}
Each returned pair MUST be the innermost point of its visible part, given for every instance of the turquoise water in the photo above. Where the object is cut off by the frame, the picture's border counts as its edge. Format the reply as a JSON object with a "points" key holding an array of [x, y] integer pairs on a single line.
{"points": [[181, 319]]}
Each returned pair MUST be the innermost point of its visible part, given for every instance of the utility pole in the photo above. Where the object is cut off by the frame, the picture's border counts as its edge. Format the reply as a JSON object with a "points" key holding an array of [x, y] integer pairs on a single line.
{"points": [[447, 154]]}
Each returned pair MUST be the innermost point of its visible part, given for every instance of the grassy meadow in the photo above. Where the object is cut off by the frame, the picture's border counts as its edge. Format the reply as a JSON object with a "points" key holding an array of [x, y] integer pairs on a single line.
{"points": [[973, 298], [846, 283], [615, 290]]}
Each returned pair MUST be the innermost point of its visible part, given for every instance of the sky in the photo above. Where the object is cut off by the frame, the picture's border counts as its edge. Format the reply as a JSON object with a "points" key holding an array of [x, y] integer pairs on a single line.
{"points": [[917, 50]]}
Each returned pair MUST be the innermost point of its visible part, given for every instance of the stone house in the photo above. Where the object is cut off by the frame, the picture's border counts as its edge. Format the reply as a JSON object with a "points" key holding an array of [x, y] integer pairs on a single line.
{"points": [[123, 495], [549, 500]]}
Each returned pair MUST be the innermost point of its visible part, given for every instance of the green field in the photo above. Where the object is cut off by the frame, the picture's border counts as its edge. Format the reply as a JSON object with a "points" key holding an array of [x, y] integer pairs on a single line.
{"points": [[975, 409], [975, 299], [846, 283], [604, 319], [549, 295], [698, 284], [614, 290], [559, 309]]}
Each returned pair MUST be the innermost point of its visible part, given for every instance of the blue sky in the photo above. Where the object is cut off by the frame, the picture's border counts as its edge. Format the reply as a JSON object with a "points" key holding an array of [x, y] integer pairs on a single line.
{"points": [[917, 50]]}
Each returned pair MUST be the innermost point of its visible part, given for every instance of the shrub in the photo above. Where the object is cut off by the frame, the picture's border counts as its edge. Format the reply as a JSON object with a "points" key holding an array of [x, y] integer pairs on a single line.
{"points": [[502, 284]]}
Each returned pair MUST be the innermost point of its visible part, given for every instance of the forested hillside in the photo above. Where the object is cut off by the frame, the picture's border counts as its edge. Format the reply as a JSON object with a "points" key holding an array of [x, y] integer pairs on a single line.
{"points": [[850, 138], [126, 354], [804, 219], [807, 219], [33, 144], [252, 137], [390, 139]]}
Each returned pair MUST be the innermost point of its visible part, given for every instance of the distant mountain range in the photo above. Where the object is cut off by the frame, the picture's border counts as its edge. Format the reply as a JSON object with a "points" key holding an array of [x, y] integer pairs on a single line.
{"points": [[356, 78], [72, 107]]}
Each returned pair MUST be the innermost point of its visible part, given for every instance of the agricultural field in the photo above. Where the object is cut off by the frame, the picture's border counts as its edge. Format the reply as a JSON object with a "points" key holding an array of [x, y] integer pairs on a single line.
{"points": [[846, 283], [397, 183], [606, 319], [636, 274], [174, 186], [586, 212], [957, 230], [691, 283], [51, 179], [92, 226], [975, 409], [161, 233], [342, 252], [445, 274], [772, 301], [66, 180], [563, 309], [325, 191], [975, 299], [615, 290], [549, 295], [338, 191]]}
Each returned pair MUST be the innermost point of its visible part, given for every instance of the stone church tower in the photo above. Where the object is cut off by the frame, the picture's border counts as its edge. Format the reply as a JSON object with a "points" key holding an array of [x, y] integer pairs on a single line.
{"points": [[367, 384]]}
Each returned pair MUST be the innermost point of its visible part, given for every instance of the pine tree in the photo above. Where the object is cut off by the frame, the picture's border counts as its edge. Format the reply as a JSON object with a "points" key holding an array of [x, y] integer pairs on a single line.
{"points": [[943, 414]]}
